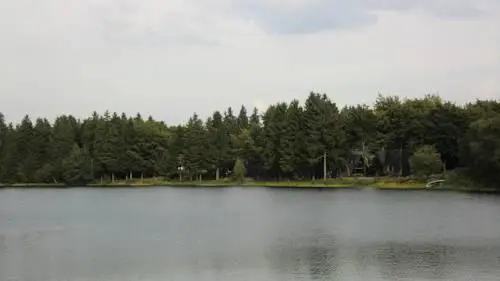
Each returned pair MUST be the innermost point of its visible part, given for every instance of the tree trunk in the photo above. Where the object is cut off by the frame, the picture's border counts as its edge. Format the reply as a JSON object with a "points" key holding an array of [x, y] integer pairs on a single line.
{"points": [[217, 173], [324, 166], [130, 176], [142, 176], [364, 157], [112, 177], [92, 168], [401, 160], [348, 170]]}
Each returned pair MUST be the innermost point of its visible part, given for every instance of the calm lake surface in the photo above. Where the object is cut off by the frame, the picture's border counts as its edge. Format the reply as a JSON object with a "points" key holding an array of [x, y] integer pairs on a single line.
{"points": [[247, 234]]}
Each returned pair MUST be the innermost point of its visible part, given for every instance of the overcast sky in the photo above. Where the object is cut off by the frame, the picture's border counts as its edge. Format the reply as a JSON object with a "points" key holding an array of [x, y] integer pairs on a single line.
{"points": [[172, 58]]}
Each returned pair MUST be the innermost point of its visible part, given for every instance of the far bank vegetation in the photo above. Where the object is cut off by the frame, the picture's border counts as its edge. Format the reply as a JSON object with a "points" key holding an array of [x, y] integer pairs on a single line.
{"points": [[394, 137]]}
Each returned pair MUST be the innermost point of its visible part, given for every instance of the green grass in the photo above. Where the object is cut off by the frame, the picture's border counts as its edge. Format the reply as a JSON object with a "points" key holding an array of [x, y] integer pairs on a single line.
{"points": [[379, 183], [382, 183]]}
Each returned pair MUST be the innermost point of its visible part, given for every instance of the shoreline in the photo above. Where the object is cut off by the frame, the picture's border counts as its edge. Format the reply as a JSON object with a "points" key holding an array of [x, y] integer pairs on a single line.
{"points": [[354, 185]]}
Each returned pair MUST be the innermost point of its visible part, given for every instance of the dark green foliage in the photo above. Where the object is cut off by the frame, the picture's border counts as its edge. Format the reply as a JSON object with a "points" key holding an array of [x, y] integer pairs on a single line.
{"points": [[425, 162], [196, 151], [239, 171], [8, 153], [447, 124], [480, 150], [322, 132], [76, 167], [63, 138], [287, 141], [218, 139], [274, 133], [242, 119], [25, 148], [292, 143]]}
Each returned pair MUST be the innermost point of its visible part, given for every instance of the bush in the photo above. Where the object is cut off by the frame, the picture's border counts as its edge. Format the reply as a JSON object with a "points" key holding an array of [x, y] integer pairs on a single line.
{"points": [[239, 171], [426, 161]]}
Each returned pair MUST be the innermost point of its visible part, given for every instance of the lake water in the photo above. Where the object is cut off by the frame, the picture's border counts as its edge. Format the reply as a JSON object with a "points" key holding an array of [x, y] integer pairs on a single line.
{"points": [[247, 234]]}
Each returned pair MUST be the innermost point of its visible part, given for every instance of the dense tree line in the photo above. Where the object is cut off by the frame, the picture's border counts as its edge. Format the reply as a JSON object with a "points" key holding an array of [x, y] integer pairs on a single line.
{"points": [[288, 141]]}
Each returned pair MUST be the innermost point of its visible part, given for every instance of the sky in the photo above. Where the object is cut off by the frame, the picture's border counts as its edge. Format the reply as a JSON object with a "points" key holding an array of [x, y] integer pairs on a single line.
{"points": [[172, 58]]}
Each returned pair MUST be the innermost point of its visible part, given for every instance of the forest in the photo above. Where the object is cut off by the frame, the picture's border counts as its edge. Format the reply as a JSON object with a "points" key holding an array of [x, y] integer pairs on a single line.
{"points": [[289, 141]]}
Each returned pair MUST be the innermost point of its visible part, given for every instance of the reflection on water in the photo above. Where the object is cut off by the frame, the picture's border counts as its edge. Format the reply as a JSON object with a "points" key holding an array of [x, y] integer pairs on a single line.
{"points": [[314, 256], [247, 234], [423, 261]]}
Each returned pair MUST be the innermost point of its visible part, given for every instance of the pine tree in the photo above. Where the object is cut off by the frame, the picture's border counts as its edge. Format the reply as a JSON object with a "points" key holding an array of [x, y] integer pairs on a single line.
{"points": [[76, 168], [274, 131], [27, 166], [289, 140], [42, 137], [242, 119], [62, 141], [5, 143], [292, 140], [218, 138], [196, 151]]}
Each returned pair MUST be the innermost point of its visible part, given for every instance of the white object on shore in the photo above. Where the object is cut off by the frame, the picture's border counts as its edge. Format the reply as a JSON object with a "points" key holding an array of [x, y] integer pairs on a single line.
{"points": [[431, 183]]}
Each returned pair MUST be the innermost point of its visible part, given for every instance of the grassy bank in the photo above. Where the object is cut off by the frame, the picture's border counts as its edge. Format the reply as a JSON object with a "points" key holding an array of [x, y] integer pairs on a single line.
{"points": [[380, 183], [27, 185], [383, 183]]}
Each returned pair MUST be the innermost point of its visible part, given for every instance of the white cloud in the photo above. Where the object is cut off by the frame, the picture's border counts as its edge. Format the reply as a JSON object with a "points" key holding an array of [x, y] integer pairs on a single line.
{"points": [[170, 58]]}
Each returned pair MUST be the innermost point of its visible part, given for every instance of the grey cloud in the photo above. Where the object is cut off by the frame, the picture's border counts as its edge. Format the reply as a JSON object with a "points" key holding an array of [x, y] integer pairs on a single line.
{"points": [[73, 56], [310, 18], [314, 16], [132, 22], [126, 35], [156, 22]]}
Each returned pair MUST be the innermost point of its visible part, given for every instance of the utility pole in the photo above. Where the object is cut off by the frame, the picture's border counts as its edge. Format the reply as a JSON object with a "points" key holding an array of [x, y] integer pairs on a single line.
{"points": [[180, 168]]}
